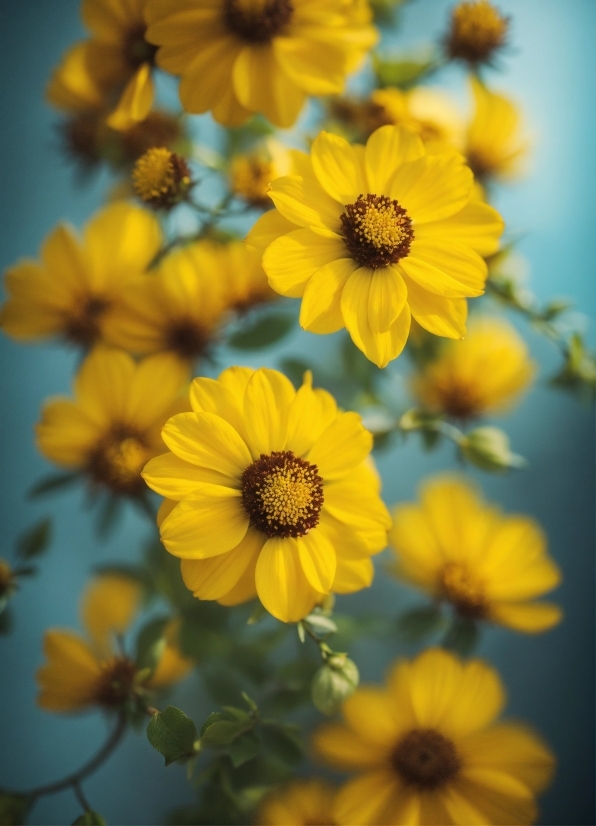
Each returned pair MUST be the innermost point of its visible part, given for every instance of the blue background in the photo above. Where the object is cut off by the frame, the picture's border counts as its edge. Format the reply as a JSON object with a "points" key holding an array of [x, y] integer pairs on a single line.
{"points": [[551, 69]]}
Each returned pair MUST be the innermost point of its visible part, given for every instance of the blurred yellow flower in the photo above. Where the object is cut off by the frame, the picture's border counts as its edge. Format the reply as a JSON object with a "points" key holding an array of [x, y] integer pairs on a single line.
{"points": [[161, 178], [112, 427], [252, 172], [243, 278], [370, 236], [487, 565], [494, 144], [478, 30], [484, 373], [73, 290], [84, 672], [430, 751], [72, 87], [237, 57], [300, 803], [270, 491]]}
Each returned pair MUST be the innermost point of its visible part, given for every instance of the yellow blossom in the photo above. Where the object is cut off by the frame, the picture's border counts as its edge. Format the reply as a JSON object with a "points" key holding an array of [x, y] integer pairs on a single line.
{"points": [[430, 751], [487, 565], [484, 373], [268, 492], [161, 177], [428, 112], [300, 803], [252, 172], [478, 31]]}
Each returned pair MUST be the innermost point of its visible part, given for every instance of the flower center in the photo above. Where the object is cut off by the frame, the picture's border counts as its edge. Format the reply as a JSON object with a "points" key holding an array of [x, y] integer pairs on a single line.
{"points": [[377, 231], [186, 338], [136, 49], [463, 591], [116, 681], [282, 494], [459, 399], [257, 21], [161, 177], [117, 461], [425, 759], [477, 30], [83, 322]]}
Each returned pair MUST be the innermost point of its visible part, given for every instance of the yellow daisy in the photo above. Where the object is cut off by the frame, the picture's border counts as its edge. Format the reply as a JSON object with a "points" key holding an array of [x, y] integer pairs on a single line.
{"points": [[268, 489], [478, 30], [484, 373], [112, 427], [494, 144], [252, 172], [301, 803], [73, 290], [237, 57], [487, 565], [428, 112], [84, 672], [374, 235], [177, 309], [431, 752], [243, 278]]}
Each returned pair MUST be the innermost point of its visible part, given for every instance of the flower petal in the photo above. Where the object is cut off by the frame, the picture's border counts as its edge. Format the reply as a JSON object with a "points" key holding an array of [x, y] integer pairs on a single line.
{"points": [[267, 229], [318, 69], [212, 396], [478, 226], [445, 268], [267, 400], [440, 316], [304, 202], [386, 150], [308, 417], [365, 799], [386, 299], [344, 444], [318, 560], [281, 583], [345, 749], [320, 311], [337, 168], [529, 617], [174, 478], [432, 187], [261, 85], [294, 258], [215, 577], [135, 102]]}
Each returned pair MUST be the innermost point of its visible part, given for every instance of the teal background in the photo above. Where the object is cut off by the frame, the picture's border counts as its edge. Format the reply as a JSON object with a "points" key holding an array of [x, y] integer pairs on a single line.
{"points": [[551, 69]]}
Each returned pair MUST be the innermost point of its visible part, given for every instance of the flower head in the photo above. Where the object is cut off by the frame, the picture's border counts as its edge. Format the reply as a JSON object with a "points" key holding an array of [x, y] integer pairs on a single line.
{"points": [[73, 290], [430, 749], [252, 172], [300, 803], [487, 565], [112, 427], [484, 373], [236, 57], [477, 32], [83, 672], [161, 177], [369, 237], [268, 492]]}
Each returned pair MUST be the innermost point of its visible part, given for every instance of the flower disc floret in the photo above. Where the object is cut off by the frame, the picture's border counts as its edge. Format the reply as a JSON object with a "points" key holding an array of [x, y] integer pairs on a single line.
{"points": [[477, 31], [377, 230], [426, 759], [257, 21], [282, 494], [117, 460], [161, 177], [117, 681]]}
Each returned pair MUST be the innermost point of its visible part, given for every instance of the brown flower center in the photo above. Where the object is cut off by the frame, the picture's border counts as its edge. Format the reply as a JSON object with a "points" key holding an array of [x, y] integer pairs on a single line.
{"points": [[116, 682], [425, 759], [117, 460], [136, 49], [463, 590], [82, 325], [459, 399], [477, 31], [377, 231], [186, 338], [282, 494], [257, 21]]}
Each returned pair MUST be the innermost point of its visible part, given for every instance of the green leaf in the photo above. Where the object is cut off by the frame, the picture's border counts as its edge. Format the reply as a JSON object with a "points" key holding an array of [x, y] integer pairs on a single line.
{"points": [[89, 818], [214, 717], [13, 808], [462, 637], [404, 73], [321, 624], [222, 733], [172, 734], [36, 540], [244, 748], [151, 643], [263, 332], [419, 623], [52, 483], [333, 683], [282, 744]]}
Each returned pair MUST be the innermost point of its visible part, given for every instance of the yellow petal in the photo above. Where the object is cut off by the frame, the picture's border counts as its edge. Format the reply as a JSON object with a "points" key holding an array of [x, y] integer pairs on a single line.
{"points": [[267, 400], [209, 75], [102, 385], [208, 522], [445, 268], [361, 508], [337, 168], [344, 444], [386, 299], [308, 417], [477, 225], [304, 202], [207, 440], [320, 311], [372, 714], [281, 583], [420, 557], [440, 316], [65, 434], [469, 802], [267, 229], [156, 385], [108, 607], [386, 150], [213, 396], [531, 618], [317, 68], [215, 577], [171, 476], [318, 559], [364, 800], [135, 102], [69, 679], [344, 749], [261, 85], [294, 258], [432, 187]]}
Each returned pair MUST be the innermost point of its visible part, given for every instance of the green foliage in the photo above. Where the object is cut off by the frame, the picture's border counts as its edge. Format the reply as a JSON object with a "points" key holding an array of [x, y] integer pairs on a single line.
{"points": [[578, 374], [488, 448], [334, 682], [173, 735], [89, 818], [13, 808], [462, 637], [420, 623], [151, 643], [263, 332], [35, 541], [406, 72]]}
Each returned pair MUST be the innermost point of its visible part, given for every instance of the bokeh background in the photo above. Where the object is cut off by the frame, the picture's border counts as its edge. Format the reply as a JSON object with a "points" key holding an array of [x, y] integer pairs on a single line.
{"points": [[551, 70]]}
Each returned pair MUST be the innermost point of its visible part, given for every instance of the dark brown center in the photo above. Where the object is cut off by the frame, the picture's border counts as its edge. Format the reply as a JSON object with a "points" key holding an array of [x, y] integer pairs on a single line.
{"points": [[257, 21], [187, 338], [117, 460], [425, 759], [282, 494], [117, 682], [137, 50], [82, 325], [377, 231]]}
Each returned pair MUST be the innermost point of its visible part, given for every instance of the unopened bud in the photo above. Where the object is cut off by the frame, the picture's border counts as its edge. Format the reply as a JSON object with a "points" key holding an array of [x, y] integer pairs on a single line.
{"points": [[488, 448], [334, 682]]}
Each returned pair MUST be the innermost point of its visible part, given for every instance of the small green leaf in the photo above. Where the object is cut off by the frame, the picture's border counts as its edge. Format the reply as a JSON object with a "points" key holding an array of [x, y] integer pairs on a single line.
{"points": [[462, 637], [36, 540], [321, 624], [89, 818], [250, 703], [244, 748], [282, 743], [214, 717], [404, 73], [263, 332], [173, 734], [13, 808], [419, 623], [52, 483], [151, 643], [222, 733]]}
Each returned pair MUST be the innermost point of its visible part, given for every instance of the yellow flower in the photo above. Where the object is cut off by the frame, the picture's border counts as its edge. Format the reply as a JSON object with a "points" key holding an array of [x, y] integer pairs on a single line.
{"points": [[430, 113], [112, 427], [374, 235], [243, 278], [237, 57], [494, 145], [477, 32], [487, 565], [73, 290], [72, 87], [84, 672], [161, 178], [251, 173], [431, 752], [177, 309], [301, 803], [268, 490], [484, 373]]}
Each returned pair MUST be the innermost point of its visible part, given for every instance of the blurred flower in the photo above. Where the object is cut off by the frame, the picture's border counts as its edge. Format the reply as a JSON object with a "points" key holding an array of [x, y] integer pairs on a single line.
{"points": [[494, 145], [431, 752], [73, 290], [487, 565], [84, 672], [112, 427], [478, 31], [484, 373], [237, 57], [272, 492], [8, 583], [252, 172], [243, 278], [374, 236], [72, 87], [161, 178], [300, 803]]}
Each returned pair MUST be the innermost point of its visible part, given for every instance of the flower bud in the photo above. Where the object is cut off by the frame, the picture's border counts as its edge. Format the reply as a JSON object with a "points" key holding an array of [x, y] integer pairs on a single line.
{"points": [[477, 31], [334, 682], [488, 448], [161, 178]]}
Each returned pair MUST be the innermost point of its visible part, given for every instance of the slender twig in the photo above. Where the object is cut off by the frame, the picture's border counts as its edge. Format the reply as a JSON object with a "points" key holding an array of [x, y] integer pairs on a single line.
{"points": [[81, 797]]}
